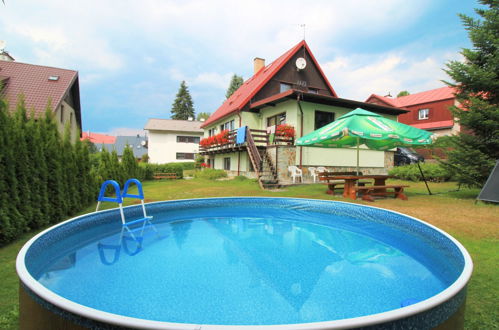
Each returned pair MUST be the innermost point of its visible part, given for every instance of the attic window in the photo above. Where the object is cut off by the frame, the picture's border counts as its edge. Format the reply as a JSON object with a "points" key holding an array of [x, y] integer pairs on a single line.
{"points": [[284, 87], [53, 78]]}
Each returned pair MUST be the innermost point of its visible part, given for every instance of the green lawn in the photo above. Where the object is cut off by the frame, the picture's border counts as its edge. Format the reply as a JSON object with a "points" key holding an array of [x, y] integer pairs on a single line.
{"points": [[475, 226]]}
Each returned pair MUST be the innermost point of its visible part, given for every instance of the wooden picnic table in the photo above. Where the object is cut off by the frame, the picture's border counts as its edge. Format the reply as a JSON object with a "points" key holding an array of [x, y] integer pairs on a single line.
{"points": [[379, 188]]}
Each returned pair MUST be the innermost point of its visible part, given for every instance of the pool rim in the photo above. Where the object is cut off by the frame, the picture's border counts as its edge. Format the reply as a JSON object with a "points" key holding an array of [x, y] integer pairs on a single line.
{"points": [[126, 321]]}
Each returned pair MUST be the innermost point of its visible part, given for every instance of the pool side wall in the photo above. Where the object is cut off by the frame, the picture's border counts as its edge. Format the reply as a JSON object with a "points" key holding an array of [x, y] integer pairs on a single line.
{"points": [[38, 313]]}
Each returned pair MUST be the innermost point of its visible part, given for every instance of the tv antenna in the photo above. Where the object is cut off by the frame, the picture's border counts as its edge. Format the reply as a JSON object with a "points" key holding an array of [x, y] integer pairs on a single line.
{"points": [[2, 45], [303, 27]]}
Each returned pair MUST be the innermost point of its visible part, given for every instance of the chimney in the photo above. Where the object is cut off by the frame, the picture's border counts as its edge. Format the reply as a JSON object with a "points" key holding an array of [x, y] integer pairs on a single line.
{"points": [[258, 63]]}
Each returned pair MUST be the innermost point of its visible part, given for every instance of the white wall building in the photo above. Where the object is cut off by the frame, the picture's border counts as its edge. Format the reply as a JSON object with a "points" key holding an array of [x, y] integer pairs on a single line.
{"points": [[173, 140]]}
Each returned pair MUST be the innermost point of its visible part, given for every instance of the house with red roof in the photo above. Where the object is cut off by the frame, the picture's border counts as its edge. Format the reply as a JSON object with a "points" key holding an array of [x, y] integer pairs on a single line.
{"points": [[97, 138], [283, 100], [427, 110], [43, 86]]}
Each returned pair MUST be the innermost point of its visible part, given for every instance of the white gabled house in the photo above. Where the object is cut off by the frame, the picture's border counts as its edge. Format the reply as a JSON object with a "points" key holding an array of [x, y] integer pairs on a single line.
{"points": [[173, 140]]}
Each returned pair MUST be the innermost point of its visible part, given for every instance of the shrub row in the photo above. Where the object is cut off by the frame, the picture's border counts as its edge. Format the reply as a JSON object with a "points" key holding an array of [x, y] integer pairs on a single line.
{"points": [[210, 174], [44, 178], [432, 172]]}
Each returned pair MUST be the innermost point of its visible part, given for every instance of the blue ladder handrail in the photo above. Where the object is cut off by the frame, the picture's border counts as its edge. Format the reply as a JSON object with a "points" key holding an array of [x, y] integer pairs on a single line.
{"points": [[116, 186], [146, 220], [140, 195]]}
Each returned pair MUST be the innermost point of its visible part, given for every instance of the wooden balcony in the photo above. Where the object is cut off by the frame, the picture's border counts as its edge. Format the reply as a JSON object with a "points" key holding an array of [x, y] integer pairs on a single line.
{"points": [[260, 137]]}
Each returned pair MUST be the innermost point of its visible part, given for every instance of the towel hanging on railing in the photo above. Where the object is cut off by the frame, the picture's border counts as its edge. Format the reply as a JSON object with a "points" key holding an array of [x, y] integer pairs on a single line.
{"points": [[241, 135]]}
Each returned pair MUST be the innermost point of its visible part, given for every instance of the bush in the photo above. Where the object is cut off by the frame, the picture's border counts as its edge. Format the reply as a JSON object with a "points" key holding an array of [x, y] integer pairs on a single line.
{"points": [[210, 174], [432, 172], [177, 168]]}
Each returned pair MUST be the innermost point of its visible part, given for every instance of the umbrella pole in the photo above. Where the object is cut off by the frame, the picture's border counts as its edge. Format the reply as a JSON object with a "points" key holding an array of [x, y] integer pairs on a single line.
{"points": [[424, 179], [358, 155]]}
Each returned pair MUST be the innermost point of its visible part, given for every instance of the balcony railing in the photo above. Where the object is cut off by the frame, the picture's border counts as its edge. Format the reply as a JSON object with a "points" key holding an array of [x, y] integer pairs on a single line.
{"points": [[260, 137]]}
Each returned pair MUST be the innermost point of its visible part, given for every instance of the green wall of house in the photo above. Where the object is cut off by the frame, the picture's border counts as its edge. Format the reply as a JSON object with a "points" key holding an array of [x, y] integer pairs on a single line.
{"points": [[306, 156]]}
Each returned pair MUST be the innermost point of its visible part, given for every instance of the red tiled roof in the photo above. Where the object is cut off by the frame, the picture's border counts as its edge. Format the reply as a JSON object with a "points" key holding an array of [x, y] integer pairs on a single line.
{"points": [[98, 138], [434, 124], [33, 82], [250, 87], [438, 94]]}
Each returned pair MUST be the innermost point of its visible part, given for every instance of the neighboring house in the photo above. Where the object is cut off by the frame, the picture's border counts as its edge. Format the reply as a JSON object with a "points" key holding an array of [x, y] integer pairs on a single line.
{"points": [[97, 138], [137, 143], [428, 110], [173, 140], [292, 90], [41, 86]]}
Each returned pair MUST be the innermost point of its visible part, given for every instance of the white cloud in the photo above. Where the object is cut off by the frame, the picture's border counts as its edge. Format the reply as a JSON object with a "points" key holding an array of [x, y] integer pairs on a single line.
{"points": [[358, 76]]}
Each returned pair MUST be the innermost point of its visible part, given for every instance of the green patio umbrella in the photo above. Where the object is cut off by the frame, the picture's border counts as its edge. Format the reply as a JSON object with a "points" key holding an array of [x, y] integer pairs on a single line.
{"points": [[364, 127]]}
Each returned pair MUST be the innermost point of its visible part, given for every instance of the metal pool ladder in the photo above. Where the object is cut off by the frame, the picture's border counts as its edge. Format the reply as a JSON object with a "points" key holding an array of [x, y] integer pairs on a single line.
{"points": [[145, 220]]}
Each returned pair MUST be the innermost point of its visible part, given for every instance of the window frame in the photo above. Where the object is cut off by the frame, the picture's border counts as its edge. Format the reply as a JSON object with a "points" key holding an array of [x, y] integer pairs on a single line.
{"points": [[278, 119], [227, 163], [184, 155], [424, 111], [188, 139], [283, 87], [333, 114]]}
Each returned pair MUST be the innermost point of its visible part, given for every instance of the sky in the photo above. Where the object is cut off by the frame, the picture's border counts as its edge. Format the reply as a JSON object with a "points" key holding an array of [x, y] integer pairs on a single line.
{"points": [[131, 56]]}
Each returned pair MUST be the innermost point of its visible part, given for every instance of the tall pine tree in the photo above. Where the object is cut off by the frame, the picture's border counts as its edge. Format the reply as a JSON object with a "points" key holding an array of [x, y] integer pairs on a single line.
{"points": [[182, 107], [476, 147], [235, 83]]}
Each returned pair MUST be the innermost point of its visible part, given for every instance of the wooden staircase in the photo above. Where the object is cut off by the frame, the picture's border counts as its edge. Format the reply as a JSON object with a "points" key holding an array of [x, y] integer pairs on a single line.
{"points": [[264, 169], [268, 177]]}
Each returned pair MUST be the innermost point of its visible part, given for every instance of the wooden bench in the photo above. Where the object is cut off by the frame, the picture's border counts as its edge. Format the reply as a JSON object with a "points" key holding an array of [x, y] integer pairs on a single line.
{"points": [[369, 191], [159, 176], [331, 184]]}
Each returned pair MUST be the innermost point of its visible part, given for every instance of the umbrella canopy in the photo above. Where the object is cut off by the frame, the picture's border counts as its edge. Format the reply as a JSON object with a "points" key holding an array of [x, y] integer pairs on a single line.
{"points": [[364, 127]]}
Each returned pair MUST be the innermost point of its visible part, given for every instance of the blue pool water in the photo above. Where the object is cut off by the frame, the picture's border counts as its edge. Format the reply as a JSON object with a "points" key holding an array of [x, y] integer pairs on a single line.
{"points": [[256, 264]]}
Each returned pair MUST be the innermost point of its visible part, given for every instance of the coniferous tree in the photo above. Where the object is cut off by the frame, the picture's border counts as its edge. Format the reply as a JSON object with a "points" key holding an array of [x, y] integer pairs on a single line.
{"points": [[182, 107], [129, 164], [203, 115], [40, 180], [23, 166], [52, 152], [70, 173], [235, 82], [11, 221], [115, 170], [476, 147]]}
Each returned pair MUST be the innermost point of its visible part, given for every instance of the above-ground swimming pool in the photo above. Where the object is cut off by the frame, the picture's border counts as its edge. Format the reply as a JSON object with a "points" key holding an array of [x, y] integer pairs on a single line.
{"points": [[232, 262]]}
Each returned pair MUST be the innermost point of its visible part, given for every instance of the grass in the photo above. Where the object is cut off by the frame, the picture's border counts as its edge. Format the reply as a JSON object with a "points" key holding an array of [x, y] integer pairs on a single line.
{"points": [[474, 225]]}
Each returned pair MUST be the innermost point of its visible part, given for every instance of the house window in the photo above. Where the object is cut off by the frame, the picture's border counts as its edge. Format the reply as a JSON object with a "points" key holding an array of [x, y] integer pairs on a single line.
{"points": [[227, 163], [313, 90], [185, 155], [423, 114], [323, 118], [212, 131], [276, 120], [70, 118], [62, 113], [188, 139], [228, 125], [211, 162], [284, 87]]}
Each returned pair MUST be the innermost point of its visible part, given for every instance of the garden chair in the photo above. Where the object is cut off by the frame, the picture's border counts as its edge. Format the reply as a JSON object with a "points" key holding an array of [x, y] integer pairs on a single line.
{"points": [[313, 173], [295, 173], [321, 169]]}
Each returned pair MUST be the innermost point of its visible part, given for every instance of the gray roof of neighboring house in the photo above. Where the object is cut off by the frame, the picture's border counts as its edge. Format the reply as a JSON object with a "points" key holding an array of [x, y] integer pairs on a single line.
{"points": [[122, 141], [192, 126]]}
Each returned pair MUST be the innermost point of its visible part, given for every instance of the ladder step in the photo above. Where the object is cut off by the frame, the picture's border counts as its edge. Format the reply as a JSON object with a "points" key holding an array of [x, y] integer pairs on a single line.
{"points": [[137, 221]]}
